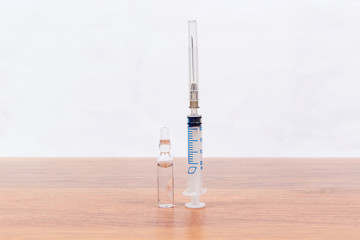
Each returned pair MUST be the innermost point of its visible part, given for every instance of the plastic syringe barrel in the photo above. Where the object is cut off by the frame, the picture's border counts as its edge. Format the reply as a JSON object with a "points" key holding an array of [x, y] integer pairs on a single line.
{"points": [[195, 163]]}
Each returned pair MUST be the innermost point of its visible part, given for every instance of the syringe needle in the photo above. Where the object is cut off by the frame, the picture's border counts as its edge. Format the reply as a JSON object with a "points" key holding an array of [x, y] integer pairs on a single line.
{"points": [[193, 67]]}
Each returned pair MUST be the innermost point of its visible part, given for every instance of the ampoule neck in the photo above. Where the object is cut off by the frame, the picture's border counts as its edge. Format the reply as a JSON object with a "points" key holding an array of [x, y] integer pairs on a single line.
{"points": [[164, 148], [165, 157], [165, 153]]}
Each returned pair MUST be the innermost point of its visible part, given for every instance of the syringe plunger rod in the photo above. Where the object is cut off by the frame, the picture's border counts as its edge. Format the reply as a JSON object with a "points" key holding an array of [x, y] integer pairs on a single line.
{"points": [[193, 66]]}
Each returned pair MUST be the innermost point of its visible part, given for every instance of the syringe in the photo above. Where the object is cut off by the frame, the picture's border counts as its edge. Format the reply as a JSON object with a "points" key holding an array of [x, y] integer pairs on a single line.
{"points": [[195, 162]]}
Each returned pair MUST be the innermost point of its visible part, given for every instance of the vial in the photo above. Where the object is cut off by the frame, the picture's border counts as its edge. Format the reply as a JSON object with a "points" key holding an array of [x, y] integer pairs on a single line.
{"points": [[165, 172]]}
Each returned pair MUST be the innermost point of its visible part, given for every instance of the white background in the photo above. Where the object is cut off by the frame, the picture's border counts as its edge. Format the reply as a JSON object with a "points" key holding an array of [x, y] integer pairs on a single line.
{"points": [[99, 78]]}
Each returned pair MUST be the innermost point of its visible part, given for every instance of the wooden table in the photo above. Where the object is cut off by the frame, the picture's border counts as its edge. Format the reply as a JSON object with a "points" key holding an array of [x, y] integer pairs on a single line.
{"points": [[108, 198]]}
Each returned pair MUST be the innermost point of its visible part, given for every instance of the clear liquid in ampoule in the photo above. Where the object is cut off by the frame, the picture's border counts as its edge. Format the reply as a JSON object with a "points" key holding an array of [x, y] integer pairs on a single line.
{"points": [[165, 184]]}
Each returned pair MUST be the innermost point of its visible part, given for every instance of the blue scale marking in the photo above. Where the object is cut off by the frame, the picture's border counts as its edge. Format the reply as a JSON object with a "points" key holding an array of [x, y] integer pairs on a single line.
{"points": [[191, 152]]}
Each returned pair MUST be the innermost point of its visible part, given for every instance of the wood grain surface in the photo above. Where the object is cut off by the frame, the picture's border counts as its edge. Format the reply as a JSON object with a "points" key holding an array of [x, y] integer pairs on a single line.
{"points": [[109, 198]]}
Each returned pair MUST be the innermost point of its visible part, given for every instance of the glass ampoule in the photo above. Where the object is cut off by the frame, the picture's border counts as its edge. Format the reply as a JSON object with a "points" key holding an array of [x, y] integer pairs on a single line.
{"points": [[165, 172]]}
